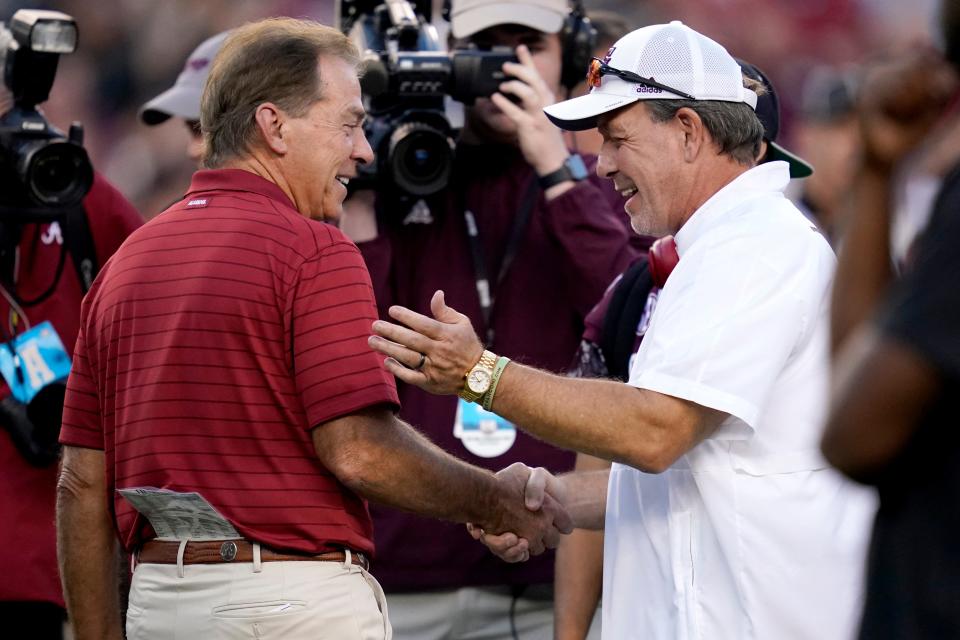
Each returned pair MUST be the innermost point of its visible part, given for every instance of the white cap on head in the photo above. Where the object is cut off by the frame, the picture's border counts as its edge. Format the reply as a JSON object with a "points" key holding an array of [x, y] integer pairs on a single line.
{"points": [[468, 17], [673, 55], [183, 98]]}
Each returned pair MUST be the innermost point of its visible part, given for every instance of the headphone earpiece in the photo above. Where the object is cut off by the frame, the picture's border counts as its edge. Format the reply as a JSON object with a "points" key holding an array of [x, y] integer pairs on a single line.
{"points": [[578, 39], [662, 257]]}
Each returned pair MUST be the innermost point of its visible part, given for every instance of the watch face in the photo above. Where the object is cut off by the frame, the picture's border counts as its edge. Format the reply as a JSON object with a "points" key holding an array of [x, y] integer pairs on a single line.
{"points": [[478, 381]]}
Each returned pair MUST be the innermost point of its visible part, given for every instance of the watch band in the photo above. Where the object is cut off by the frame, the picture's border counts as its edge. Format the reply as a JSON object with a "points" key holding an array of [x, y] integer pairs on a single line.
{"points": [[487, 399], [487, 361], [572, 168]]}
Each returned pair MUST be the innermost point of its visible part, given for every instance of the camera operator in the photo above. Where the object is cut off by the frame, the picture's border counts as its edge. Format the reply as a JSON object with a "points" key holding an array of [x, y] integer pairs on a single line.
{"points": [[549, 237], [38, 245]]}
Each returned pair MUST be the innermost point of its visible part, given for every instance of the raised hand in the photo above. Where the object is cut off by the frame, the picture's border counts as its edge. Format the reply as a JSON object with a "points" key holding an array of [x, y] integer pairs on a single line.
{"points": [[447, 341], [900, 101], [540, 142]]}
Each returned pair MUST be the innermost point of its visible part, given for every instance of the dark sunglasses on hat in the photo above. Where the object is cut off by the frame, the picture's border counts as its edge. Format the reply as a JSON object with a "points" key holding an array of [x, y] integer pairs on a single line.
{"points": [[598, 68]]}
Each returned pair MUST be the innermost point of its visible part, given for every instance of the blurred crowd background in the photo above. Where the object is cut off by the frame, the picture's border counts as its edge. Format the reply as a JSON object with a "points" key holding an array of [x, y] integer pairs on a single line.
{"points": [[131, 50]]}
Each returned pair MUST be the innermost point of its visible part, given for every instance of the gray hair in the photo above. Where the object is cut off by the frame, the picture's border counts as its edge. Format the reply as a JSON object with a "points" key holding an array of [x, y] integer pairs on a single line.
{"points": [[274, 60], [734, 126]]}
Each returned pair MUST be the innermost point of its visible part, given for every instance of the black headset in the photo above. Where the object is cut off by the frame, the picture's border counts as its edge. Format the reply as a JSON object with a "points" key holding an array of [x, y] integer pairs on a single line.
{"points": [[578, 39]]}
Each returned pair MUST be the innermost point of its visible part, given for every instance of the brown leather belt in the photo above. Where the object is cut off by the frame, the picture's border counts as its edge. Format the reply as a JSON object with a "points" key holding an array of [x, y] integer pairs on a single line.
{"points": [[218, 551]]}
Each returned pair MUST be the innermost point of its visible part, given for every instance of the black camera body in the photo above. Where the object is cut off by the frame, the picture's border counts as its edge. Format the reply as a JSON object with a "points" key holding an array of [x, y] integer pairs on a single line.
{"points": [[44, 175], [407, 76], [42, 171]]}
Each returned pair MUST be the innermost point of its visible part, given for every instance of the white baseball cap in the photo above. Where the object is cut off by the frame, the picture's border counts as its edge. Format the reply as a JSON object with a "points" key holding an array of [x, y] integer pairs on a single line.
{"points": [[675, 61], [183, 98], [468, 17]]}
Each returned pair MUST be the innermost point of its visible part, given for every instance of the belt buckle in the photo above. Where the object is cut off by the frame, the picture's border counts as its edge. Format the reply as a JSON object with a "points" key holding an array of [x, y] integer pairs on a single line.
{"points": [[228, 551]]}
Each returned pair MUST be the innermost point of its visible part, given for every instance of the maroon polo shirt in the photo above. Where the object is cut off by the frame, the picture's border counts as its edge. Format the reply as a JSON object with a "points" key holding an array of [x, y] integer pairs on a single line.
{"points": [[28, 548], [217, 337]]}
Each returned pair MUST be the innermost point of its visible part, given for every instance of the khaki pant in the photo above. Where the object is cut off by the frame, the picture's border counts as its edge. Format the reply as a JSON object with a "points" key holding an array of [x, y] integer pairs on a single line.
{"points": [[288, 600]]}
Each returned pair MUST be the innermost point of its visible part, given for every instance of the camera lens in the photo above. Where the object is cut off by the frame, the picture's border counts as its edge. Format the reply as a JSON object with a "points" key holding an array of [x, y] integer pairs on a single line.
{"points": [[420, 157], [57, 174]]}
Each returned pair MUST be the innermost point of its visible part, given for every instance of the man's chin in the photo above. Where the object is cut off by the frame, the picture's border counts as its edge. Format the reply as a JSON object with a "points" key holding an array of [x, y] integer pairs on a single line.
{"points": [[642, 225]]}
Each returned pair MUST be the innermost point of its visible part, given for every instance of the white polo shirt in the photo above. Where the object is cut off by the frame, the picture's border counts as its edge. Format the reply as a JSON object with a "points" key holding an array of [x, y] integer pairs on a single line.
{"points": [[749, 535]]}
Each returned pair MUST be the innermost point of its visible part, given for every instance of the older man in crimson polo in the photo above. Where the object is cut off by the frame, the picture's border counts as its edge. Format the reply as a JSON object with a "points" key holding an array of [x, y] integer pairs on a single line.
{"points": [[223, 397]]}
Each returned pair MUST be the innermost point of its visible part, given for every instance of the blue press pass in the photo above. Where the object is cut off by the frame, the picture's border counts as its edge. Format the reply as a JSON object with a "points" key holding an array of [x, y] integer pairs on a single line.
{"points": [[33, 360]]}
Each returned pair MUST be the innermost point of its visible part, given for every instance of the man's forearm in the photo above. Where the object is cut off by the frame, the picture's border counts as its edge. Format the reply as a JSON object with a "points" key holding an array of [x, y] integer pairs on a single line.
{"points": [[585, 497], [606, 419], [86, 547], [387, 461], [864, 270]]}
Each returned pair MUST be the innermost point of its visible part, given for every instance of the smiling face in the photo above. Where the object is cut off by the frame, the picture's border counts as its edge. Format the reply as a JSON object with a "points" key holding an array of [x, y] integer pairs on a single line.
{"points": [[645, 160], [324, 145], [483, 118]]}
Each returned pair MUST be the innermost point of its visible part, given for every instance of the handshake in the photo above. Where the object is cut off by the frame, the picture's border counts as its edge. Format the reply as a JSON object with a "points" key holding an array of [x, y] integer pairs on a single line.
{"points": [[535, 527]]}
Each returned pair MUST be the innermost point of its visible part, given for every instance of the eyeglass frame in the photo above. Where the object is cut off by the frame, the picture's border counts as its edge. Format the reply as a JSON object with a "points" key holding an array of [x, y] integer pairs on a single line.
{"points": [[629, 76]]}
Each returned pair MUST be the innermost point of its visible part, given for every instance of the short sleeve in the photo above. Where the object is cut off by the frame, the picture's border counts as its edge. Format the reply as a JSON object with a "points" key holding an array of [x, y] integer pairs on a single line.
{"points": [[725, 325], [333, 309], [924, 310], [81, 425]]}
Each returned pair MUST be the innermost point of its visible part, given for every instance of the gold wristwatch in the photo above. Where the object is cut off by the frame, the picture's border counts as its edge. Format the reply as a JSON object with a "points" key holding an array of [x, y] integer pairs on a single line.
{"points": [[477, 381]]}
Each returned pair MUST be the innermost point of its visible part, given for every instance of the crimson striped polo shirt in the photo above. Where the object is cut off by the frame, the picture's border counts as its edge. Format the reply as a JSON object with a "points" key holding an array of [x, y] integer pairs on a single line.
{"points": [[210, 345]]}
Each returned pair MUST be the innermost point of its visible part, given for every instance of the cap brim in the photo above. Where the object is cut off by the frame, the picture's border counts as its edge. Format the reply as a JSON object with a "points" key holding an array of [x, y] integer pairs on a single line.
{"points": [[464, 24], [581, 113], [799, 168], [175, 101]]}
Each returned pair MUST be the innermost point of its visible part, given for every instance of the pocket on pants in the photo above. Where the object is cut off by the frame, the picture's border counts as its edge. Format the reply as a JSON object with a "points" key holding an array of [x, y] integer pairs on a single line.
{"points": [[264, 620], [259, 609]]}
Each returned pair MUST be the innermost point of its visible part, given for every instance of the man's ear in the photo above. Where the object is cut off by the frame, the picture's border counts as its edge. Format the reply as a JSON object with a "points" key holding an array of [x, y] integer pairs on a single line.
{"points": [[695, 136], [269, 120]]}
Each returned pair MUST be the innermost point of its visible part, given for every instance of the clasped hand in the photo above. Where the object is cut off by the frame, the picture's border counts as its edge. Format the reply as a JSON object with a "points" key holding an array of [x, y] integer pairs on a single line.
{"points": [[541, 491]]}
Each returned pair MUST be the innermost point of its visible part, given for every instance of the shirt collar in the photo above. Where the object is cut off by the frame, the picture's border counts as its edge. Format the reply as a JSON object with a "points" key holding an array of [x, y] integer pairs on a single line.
{"points": [[769, 177], [237, 180]]}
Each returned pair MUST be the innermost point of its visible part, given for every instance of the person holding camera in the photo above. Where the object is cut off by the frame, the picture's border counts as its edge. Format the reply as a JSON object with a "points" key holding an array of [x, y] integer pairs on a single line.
{"points": [[53, 237], [524, 240], [225, 415]]}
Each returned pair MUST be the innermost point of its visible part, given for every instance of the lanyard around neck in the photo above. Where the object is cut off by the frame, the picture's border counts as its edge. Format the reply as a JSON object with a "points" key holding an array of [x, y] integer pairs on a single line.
{"points": [[485, 293]]}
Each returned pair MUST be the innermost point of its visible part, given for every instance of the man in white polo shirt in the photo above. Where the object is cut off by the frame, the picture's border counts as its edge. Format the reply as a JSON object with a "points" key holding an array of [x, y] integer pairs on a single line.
{"points": [[722, 519]]}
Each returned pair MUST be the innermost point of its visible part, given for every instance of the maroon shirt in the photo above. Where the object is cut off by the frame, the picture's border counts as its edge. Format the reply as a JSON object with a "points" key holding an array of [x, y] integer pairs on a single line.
{"points": [[28, 549], [217, 337], [571, 250]]}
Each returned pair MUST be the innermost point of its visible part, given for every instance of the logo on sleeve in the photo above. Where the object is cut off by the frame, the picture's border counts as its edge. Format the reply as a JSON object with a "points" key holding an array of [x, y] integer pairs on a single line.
{"points": [[198, 203]]}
